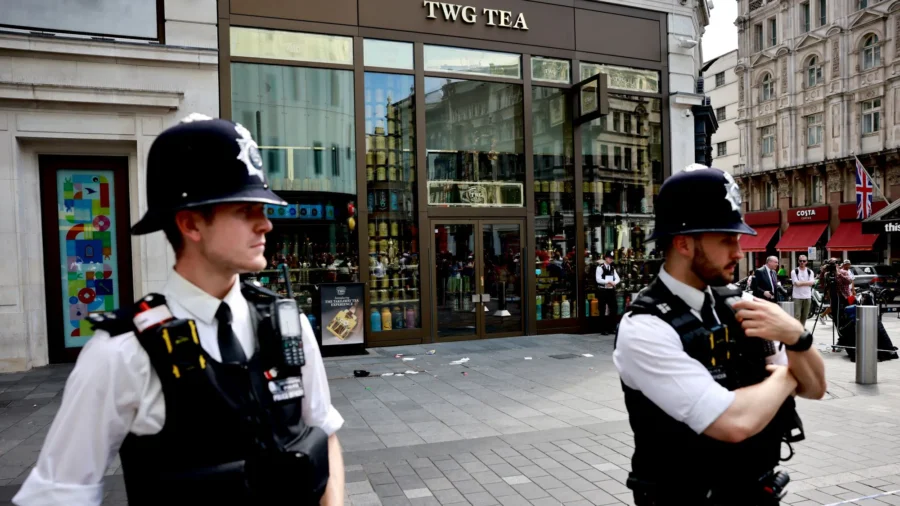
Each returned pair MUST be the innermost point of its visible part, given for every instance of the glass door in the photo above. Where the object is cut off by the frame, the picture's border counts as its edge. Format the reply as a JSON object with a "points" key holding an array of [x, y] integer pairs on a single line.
{"points": [[478, 278]]}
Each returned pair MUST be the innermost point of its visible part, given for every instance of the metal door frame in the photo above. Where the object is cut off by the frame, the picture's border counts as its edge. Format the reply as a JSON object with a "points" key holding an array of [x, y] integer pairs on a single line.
{"points": [[477, 224]]}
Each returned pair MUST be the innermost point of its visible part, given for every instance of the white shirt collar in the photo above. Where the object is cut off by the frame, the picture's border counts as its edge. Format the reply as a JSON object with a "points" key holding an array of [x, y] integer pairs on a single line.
{"points": [[201, 305], [690, 295]]}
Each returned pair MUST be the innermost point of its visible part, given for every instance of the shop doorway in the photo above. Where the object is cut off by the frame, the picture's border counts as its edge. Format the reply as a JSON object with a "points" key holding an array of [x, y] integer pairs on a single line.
{"points": [[478, 289], [87, 247]]}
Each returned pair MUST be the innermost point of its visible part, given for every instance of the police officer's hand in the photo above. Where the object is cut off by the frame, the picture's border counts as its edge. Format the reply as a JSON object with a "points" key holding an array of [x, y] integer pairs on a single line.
{"points": [[767, 320]]}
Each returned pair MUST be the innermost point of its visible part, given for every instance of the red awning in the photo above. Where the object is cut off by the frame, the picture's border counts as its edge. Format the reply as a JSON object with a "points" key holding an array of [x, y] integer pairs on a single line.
{"points": [[849, 237], [801, 236], [758, 243]]}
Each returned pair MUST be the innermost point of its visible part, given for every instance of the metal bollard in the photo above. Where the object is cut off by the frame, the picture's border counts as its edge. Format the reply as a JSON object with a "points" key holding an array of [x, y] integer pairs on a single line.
{"points": [[866, 345], [788, 306]]}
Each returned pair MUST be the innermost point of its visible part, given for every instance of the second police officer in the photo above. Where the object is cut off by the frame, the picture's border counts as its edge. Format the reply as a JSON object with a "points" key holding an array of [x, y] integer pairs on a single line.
{"points": [[709, 379], [214, 391]]}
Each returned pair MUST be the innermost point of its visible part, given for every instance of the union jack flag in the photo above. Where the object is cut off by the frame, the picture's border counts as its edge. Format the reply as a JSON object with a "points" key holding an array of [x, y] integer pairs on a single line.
{"points": [[864, 191]]}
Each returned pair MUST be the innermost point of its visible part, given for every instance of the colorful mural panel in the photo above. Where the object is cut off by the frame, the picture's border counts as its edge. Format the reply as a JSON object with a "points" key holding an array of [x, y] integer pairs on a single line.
{"points": [[88, 256]]}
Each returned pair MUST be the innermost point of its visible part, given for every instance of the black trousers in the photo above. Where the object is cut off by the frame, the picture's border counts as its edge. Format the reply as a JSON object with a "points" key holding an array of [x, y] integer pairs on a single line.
{"points": [[607, 298]]}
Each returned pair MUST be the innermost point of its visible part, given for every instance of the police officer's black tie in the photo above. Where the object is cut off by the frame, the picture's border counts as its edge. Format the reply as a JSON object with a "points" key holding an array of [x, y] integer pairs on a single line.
{"points": [[706, 312], [229, 346]]}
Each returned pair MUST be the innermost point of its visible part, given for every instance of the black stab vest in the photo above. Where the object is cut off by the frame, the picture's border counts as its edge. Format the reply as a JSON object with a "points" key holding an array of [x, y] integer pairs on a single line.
{"points": [[225, 440], [681, 466]]}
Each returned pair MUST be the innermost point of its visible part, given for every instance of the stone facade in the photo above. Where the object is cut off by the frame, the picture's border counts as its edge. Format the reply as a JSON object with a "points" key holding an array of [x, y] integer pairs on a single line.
{"points": [[77, 95]]}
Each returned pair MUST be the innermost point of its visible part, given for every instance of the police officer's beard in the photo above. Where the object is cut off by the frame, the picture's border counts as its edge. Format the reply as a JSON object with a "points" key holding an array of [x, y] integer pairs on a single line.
{"points": [[708, 272]]}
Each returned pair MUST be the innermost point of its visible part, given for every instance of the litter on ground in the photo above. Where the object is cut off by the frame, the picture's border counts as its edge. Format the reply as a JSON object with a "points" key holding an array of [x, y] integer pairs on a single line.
{"points": [[460, 361]]}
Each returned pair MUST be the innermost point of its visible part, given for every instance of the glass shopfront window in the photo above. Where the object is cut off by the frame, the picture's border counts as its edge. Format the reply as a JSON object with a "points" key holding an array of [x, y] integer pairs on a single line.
{"points": [[555, 261], [303, 120], [472, 61], [475, 143], [392, 201], [622, 170]]}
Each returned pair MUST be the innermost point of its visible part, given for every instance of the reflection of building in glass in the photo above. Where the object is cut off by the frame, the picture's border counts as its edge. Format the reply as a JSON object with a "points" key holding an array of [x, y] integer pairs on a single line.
{"points": [[474, 133]]}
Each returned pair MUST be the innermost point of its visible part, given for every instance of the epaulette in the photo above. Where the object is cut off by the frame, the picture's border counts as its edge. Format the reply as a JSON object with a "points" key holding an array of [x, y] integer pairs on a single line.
{"points": [[115, 323], [255, 293]]}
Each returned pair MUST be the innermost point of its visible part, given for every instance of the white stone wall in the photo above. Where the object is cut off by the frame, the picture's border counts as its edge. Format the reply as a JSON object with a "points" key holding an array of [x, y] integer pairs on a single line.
{"points": [[837, 47], [724, 96], [71, 95]]}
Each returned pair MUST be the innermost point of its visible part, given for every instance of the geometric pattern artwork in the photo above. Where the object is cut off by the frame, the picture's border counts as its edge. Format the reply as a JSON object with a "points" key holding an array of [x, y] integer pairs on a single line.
{"points": [[87, 249]]}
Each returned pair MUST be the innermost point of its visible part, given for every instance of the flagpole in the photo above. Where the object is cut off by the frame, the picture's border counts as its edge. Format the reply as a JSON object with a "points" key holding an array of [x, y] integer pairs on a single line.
{"points": [[872, 179]]}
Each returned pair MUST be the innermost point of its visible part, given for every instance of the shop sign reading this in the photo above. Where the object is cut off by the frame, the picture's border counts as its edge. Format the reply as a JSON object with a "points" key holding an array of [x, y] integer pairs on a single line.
{"points": [[469, 14]]}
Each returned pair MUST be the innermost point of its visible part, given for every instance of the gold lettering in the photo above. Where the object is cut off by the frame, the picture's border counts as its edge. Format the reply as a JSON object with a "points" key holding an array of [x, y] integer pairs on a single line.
{"points": [[468, 14], [491, 13], [431, 6], [505, 18], [451, 11], [520, 22]]}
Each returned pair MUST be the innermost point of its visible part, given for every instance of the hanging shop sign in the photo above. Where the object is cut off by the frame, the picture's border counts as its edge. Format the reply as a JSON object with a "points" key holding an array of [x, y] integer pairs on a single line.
{"points": [[469, 14], [877, 227]]}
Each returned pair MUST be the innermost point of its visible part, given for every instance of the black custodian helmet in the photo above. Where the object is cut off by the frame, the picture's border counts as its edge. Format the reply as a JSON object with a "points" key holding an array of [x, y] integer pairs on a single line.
{"points": [[699, 199], [202, 161]]}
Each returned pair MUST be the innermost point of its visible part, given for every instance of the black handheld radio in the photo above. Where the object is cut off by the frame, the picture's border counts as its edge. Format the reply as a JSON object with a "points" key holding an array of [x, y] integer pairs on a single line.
{"points": [[287, 322]]}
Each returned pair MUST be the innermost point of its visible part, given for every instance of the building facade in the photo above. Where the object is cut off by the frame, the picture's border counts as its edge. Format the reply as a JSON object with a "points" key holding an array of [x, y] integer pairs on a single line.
{"points": [[817, 85], [720, 84], [452, 171], [84, 90]]}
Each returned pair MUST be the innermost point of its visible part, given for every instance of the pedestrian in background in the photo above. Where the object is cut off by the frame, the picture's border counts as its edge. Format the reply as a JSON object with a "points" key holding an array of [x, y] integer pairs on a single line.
{"points": [[802, 279]]}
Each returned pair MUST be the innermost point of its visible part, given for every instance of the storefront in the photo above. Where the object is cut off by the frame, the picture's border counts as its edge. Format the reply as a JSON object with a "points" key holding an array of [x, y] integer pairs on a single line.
{"points": [[849, 241], [762, 245], [807, 228], [464, 168]]}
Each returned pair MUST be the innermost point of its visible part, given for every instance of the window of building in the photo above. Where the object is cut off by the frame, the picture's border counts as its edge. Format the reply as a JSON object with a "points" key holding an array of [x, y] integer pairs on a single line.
{"points": [[616, 118], [392, 195], [722, 149], [773, 32], [304, 122], [816, 190], [813, 72], [550, 70], [291, 46], [758, 37], [804, 17], [871, 116], [814, 130], [871, 52], [767, 89], [771, 196], [628, 161], [388, 54], [720, 79], [475, 149], [768, 140], [626, 122], [117, 18], [823, 12], [554, 203], [862, 4], [472, 61], [617, 157], [720, 114]]}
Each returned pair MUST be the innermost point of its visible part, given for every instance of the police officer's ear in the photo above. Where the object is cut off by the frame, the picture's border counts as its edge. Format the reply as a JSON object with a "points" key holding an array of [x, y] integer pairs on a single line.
{"points": [[190, 221], [684, 245]]}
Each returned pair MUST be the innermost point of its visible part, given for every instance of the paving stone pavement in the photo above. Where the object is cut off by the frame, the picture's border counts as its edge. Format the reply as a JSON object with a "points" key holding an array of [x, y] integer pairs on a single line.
{"points": [[535, 420]]}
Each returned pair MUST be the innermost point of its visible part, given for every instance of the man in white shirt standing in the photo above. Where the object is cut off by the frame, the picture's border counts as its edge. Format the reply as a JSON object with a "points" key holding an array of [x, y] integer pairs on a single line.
{"points": [[802, 279], [213, 392], [607, 278], [708, 376]]}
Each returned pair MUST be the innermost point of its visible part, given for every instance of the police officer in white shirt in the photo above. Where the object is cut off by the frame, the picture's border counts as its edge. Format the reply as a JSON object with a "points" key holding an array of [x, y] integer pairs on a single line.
{"points": [[214, 391], [607, 278], [709, 398]]}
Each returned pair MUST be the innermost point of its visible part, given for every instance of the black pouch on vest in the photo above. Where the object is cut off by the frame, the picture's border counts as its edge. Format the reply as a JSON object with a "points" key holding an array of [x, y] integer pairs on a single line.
{"points": [[303, 464]]}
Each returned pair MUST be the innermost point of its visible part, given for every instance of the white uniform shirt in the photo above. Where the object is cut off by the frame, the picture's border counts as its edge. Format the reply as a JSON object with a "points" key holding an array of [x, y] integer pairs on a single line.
{"points": [[114, 390], [800, 274], [651, 359], [602, 279]]}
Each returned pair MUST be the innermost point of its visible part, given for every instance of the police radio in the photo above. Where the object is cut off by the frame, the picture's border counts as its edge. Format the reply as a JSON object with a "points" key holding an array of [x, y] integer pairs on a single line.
{"points": [[287, 325]]}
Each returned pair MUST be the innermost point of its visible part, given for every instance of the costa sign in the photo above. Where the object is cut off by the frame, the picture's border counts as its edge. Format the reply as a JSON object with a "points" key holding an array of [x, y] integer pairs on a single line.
{"points": [[809, 214]]}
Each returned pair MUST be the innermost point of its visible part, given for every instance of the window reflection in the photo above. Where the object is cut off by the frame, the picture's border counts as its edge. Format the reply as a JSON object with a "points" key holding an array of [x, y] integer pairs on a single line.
{"points": [[392, 201], [622, 170], [554, 203], [472, 61], [474, 141]]}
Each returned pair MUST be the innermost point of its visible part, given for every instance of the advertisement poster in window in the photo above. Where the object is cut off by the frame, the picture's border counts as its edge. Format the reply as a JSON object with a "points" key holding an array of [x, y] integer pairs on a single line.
{"points": [[341, 313], [557, 110]]}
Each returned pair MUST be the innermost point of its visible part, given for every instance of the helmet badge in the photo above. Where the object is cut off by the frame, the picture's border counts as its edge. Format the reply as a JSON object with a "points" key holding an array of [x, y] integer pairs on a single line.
{"points": [[732, 193], [249, 152]]}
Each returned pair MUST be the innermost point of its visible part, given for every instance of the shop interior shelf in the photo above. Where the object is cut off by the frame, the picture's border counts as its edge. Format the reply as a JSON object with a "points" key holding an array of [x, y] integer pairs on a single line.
{"points": [[385, 303]]}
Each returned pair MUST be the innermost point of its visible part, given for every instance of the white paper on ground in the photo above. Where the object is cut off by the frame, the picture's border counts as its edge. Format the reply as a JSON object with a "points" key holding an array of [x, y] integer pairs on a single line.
{"points": [[460, 361]]}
